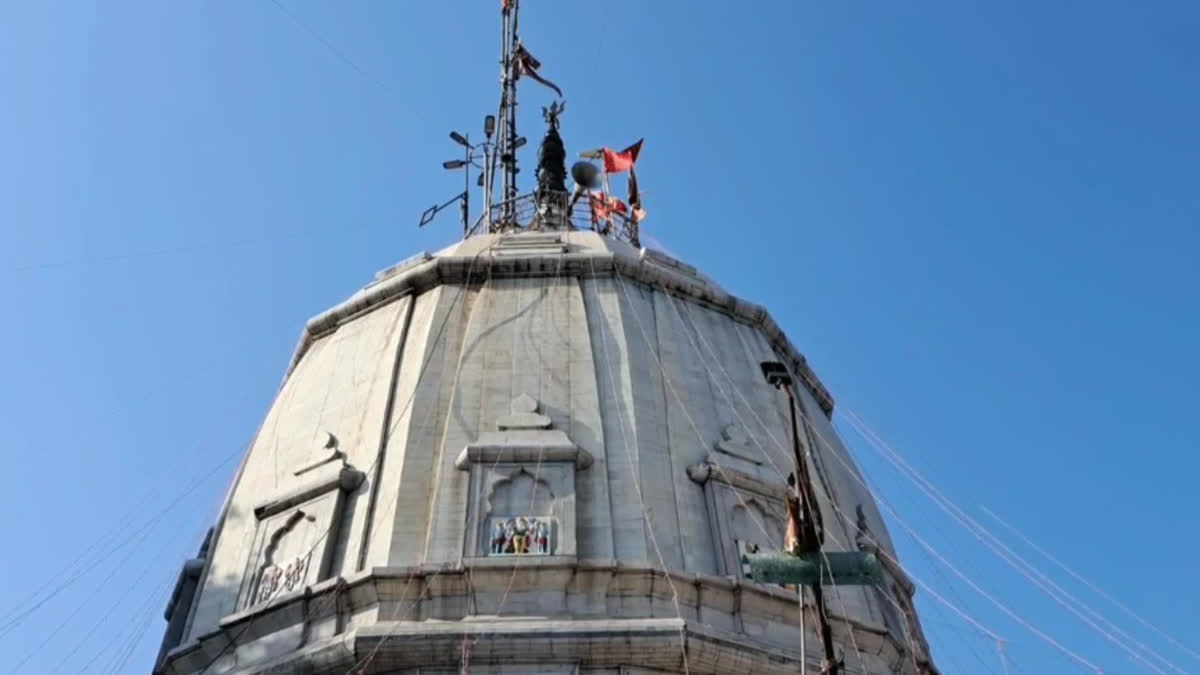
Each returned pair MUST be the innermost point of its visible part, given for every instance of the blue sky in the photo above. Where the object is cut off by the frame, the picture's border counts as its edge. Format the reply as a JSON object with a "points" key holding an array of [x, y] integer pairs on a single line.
{"points": [[978, 221]]}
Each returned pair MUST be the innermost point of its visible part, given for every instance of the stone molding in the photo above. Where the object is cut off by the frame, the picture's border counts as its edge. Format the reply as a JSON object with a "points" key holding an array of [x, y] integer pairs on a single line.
{"points": [[347, 479], [732, 461], [436, 605], [523, 446]]}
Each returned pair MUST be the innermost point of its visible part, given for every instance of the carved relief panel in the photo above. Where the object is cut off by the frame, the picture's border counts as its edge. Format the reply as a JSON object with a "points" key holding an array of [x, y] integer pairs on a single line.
{"points": [[745, 500], [522, 514], [522, 486], [295, 537]]}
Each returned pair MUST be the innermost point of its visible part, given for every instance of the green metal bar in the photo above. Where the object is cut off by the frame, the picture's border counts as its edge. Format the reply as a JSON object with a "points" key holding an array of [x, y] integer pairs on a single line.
{"points": [[845, 568]]}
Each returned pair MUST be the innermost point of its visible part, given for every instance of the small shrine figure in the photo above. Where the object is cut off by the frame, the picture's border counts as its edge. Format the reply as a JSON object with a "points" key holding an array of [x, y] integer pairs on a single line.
{"points": [[521, 536], [543, 537], [510, 530], [499, 537]]}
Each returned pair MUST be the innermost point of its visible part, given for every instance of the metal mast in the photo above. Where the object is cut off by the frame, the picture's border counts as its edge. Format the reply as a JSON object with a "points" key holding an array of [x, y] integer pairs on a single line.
{"points": [[507, 154]]}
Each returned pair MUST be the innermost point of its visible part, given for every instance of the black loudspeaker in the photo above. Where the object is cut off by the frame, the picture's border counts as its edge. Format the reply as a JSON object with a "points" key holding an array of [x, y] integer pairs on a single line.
{"points": [[586, 174]]}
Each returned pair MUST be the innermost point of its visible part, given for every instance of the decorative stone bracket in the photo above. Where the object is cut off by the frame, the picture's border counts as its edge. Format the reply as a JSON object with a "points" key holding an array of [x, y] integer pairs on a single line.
{"points": [[735, 463], [522, 486]]}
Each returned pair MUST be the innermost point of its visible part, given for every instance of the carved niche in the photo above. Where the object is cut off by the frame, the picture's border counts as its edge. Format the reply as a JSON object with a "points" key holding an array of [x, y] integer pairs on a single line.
{"points": [[522, 486], [744, 499], [296, 533]]}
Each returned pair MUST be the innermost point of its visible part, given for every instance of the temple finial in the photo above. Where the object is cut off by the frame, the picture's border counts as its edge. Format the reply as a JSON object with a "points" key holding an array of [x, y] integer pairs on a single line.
{"points": [[552, 197]]}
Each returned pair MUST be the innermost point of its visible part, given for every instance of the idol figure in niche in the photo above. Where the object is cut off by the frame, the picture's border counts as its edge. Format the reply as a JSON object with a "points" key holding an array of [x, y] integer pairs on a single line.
{"points": [[510, 529], [499, 537], [521, 536]]}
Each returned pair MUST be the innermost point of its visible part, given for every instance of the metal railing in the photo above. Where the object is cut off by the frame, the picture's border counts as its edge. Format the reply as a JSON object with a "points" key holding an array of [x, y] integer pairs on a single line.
{"points": [[554, 211]]}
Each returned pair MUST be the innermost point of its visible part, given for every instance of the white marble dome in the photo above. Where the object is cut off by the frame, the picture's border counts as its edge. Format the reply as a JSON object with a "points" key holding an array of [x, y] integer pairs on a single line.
{"points": [[534, 452]]}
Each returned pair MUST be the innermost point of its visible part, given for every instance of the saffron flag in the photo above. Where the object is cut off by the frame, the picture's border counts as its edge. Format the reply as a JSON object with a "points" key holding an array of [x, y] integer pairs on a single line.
{"points": [[524, 63], [604, 206], [616, 162], [635, 199]]}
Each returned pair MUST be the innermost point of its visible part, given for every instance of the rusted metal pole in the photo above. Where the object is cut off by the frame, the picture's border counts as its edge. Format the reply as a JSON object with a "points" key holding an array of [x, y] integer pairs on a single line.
{"points": [[811, 535]]}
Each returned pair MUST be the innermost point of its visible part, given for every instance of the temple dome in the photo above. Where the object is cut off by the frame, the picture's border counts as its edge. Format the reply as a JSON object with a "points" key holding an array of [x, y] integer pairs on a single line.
{"points": [[531, 448]]}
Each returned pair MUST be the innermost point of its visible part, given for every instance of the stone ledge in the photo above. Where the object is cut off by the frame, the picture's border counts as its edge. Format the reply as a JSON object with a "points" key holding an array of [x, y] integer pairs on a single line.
{"points": [[579, 593], [346, 478], [523, 446], [652, 643]]}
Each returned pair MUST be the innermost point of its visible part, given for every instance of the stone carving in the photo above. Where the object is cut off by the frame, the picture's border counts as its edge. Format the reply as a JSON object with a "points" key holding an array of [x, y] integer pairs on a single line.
{"points": [[275, 579], [522, 535], [522, 485], [519, 490], [331, 443], [524, 415], [754, 521], [736, 443]]}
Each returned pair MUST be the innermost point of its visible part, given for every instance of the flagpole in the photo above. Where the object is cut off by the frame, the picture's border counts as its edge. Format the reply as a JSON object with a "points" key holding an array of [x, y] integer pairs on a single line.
{"points": [[510, 170]]}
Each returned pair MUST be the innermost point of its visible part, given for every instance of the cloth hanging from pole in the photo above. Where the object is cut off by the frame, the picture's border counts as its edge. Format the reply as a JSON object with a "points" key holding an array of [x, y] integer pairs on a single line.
{"points": [[524, 63]]}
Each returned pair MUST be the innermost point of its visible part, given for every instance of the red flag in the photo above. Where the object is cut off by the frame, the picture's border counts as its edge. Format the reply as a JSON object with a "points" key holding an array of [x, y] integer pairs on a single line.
{"points": [[506, 5], [616, 162], [635, 199], [604, 206], [526, 64]]}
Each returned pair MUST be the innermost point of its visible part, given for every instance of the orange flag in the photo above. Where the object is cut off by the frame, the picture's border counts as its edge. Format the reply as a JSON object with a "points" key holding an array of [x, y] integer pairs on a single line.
{"points": [[604, 206], [616, 162], [635, 199]]}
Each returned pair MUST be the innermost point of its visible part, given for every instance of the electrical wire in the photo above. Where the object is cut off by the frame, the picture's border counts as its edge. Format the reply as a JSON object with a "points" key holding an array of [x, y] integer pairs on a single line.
{"points": [[1094, 588], [1008, 611], [1028, 625], [341, 56], [690, 328], [1035, 576], [694, 329]]}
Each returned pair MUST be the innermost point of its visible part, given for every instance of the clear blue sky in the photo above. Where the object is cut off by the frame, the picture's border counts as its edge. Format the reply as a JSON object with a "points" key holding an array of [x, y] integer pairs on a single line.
{"points": [[977, 220]]}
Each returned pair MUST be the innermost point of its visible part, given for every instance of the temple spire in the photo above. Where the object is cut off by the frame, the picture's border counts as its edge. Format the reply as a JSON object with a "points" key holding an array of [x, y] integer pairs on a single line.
{"points": [[551, 196]]}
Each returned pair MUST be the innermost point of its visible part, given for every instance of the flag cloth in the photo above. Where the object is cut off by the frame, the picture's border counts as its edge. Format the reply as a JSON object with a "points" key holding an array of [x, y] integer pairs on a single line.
{"points": [[616, 162], [604, 206], [635, 199], [524, 63], [507, 4]]}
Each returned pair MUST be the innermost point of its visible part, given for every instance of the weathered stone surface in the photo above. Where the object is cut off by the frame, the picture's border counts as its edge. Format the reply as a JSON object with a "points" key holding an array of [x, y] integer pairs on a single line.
{"points": [[435, 426]]}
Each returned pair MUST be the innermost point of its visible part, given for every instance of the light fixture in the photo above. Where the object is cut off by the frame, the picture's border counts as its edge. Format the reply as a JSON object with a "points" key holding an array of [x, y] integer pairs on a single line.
{"points": [[489, 125], [459, 138], [519, 142], [776, 374], [454, 164]]}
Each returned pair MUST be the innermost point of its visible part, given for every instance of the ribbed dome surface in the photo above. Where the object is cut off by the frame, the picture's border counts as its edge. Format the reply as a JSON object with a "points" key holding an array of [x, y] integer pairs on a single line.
{"points": [[534, 452]]}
